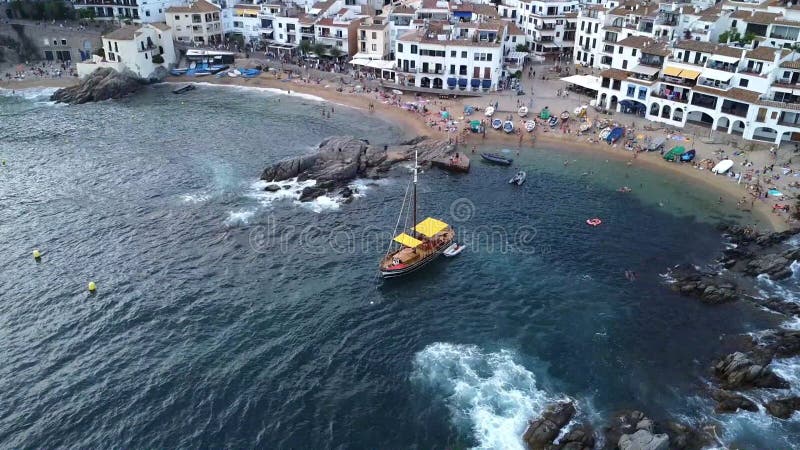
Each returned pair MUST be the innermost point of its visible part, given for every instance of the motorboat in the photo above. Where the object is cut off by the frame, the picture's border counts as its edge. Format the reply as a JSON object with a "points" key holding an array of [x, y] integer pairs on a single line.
{"points": [[497, 124], [523, 111], [508, 126], [675, 153], [565, 116], [553, 121], [454, 249], [615, 135], [489, 111], [530, 125], [688, 156], [519, 178], [497, 159]]}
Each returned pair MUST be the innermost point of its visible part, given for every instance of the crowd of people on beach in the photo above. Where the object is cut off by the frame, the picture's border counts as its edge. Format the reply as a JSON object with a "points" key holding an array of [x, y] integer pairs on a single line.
{"points": [[41, 70]]}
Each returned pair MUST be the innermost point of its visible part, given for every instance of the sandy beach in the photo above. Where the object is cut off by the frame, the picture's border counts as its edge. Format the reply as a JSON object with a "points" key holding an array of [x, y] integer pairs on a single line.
{"points": [[430, 124]]}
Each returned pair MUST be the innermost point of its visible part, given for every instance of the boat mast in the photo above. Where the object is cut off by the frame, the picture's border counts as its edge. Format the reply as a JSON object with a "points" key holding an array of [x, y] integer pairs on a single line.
{"points": [[415, 193]]}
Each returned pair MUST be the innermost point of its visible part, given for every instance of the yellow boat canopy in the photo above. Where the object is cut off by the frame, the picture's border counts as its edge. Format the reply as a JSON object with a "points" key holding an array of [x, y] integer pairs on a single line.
{"points": [[430, 226], [689, 74], [407, 240], [672, 71]]}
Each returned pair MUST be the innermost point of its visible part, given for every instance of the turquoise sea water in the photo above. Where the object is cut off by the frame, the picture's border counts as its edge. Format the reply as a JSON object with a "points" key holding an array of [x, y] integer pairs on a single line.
{"points": [[229, 317]]}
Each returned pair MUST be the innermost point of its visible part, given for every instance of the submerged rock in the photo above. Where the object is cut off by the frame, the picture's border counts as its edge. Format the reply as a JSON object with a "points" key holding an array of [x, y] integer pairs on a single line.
{"points": [[272, 188], [340, 159], [740, 371], [729, 402], [102, 84], [707, 286], [643, 440]]}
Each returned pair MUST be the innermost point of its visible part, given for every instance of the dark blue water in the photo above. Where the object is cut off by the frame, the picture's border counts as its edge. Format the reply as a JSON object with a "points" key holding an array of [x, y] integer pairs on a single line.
{"points": [[229, 317]]}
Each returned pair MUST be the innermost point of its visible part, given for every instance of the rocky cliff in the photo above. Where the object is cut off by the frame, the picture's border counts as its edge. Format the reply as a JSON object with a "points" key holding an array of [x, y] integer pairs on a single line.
{"points": [[340, 159], [102, 84]]}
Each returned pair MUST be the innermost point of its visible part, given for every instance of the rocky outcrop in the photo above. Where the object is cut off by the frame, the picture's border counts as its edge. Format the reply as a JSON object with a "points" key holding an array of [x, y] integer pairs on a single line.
{"points": [[729, 402], [707, 286], [643, 440], [739, 371], [579, 438], [102, 84], [783, 408], [633, 430], [541, 432], [340, 159]]}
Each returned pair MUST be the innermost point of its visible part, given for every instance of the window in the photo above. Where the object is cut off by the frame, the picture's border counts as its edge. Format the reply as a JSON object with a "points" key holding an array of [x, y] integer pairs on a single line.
{"points": [[374, 35], [116, 47], [63, 42], [452, 53], [464, 55], [413, 49], [374, 48], [634, 52], [177, 17], [399, 48], [620, 49], [642, 93], [147, 12], [631, 91], [743, 82], [625, 64]]}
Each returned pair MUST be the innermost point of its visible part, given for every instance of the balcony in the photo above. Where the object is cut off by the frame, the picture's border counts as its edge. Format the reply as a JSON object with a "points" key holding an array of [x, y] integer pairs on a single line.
{"points": [[432, 71], [676, 97], [716, 65], [716, 84]]}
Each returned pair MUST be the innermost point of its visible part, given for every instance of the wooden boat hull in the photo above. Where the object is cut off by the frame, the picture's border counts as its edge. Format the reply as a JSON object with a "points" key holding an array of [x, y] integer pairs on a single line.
{"points": [[417, 264]]}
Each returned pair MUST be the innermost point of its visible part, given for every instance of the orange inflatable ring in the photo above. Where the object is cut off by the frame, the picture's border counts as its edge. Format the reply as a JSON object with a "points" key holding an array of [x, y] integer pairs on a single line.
{"points": [[594, 222]]}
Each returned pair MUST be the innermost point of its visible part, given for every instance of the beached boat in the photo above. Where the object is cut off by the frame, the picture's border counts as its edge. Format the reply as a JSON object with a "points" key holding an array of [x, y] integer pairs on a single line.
{"points": [[497, 123], [519, 178], [234, 73], [723, 166], [454, 249], [585, 126], [250, 73], [545, 114], [565, 116], [468, 110], [530, 125], [489, 111], [615, 134], [185, 89], [476, 126], [553, 121], [655, 145], [523, 111], [178, 72], [508, 126], [675, 153], [424, 243], [604, 133], [688, 156], [497, 159]]}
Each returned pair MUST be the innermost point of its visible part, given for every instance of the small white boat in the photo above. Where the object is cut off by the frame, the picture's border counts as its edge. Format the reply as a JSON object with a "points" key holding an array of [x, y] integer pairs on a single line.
{"points": [[523, 111], [454, 249], [519, 178], [530, 125], [508, 126], [234, 73], [489, 112], [585, 126], [397, 92], [723, 166]]}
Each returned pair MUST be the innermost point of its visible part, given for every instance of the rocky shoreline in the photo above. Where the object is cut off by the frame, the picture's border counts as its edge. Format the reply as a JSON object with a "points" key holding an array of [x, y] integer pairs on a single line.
{"points": [[736, 376], [102, 84], [340, 159]]}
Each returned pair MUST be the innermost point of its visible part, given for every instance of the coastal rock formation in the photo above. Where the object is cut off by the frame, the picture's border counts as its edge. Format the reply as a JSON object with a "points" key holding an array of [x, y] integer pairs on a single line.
{"points": [[783, 408], [643, 440], [340, 159], [729, 402], [740, 371], [633, 430], [102, 84], [541, 432], [708, 287]]}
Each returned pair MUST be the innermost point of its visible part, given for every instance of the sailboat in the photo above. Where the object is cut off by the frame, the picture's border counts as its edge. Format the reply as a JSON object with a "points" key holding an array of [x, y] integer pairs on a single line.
{"points": [[425, 241]]}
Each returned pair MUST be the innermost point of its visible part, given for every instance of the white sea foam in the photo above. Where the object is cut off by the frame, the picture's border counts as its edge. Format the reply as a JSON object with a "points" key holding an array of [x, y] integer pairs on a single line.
{"points": [[291, 192], [488, 394], [41, 95], [199, 197], [240, 217], [291, 93]]}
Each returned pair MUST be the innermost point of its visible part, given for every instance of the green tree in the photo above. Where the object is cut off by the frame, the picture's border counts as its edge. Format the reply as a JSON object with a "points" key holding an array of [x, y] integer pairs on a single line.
{"points": [[335, 52], [522, 47], [319, 49], [100, 52], [158, 59], [748, 38], [305, 46], [87, 13]]}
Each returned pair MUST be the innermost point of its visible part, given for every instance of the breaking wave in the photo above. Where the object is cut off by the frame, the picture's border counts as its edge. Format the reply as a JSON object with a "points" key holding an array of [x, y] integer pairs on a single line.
{"points": [[489, 394]]}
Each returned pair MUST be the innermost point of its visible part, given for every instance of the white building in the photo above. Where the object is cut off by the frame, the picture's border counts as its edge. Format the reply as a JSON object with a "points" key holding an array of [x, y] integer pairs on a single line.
{"points": [[133, 49], [197, 23], [463, 56], [549, 26], [246, 22]]}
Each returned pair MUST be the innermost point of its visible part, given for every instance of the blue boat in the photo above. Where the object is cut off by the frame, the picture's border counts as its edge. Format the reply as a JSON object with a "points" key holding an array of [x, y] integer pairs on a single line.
{"points": [[250, 73], [553, 121], [497, 159], [508, 126], [497, 123], [615, 135], [468, 110], [178, 72], [688, 156]]}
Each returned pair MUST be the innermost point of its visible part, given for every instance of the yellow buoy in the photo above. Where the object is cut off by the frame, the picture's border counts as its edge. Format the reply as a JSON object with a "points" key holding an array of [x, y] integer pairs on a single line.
{"points": [[92, 286], [36, 254]]}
